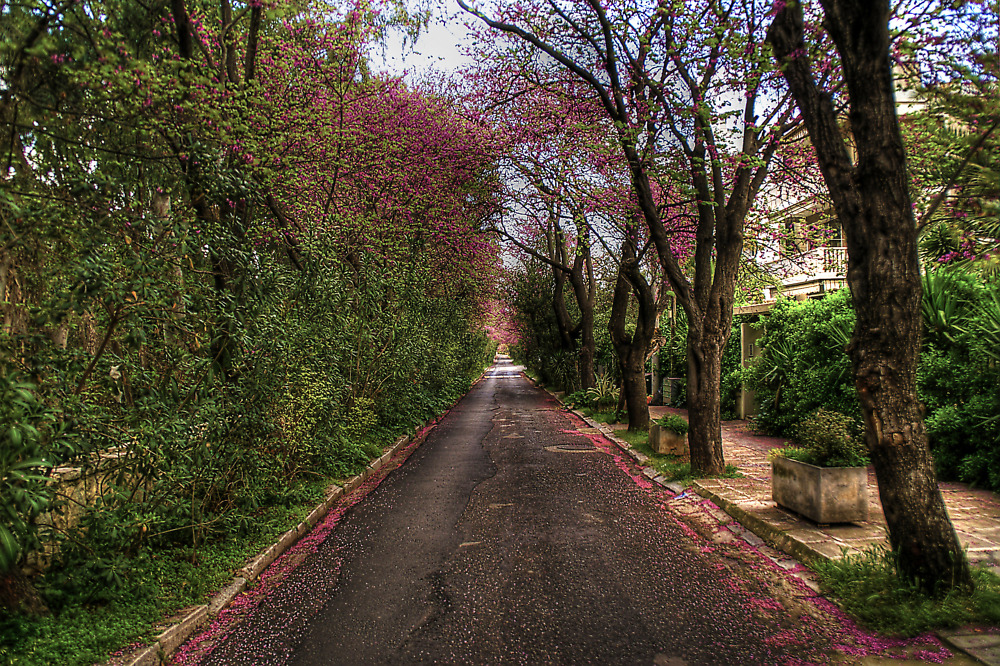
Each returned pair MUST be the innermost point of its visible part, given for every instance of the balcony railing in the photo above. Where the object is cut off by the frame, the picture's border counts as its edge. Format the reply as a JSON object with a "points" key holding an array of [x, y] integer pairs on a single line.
{"points": [[818, 262]]}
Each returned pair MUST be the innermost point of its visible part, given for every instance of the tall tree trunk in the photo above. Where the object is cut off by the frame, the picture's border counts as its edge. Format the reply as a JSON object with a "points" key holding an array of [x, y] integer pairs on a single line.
{"points": [[563, 320], [584, 289], [632, 349], [704, 377], [872, 201], [588, 351]]}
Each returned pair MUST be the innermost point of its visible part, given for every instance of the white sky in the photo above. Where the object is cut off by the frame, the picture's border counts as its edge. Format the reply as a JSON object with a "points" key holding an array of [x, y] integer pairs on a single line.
{"points": [[437, 48]]}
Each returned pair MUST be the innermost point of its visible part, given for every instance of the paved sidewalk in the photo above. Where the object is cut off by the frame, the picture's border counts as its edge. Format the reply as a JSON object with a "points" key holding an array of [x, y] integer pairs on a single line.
{"points": [[975, 513]]}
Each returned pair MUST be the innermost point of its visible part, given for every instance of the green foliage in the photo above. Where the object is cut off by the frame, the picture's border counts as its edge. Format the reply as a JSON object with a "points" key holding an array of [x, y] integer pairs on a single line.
{"points": [[868, 587], [601, 397], [831, 440], [802, 365], [604, 394], [826, 439], [87, 621], [674, 423], [329, 364], [673, 362], [26, 452], [959, 373], [674, 468], [673, 355]]}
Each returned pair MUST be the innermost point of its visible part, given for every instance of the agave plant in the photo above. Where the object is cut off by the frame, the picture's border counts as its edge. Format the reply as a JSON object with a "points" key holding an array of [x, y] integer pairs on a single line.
{"points": [[987, 323], [943, 312], [603, 394]]}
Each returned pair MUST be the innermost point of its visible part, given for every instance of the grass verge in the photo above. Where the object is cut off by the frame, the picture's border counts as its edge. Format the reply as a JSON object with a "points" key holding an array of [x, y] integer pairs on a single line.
{"points": [[867, 586], [674, 468], [157, 584]]}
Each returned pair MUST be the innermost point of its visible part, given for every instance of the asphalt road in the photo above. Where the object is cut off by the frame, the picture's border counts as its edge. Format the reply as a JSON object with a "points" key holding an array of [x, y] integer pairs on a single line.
{"points": [[514, 535]]}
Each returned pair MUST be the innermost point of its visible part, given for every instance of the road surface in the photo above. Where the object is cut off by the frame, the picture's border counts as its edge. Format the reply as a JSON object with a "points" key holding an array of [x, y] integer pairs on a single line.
{"points": [[515, 535]]}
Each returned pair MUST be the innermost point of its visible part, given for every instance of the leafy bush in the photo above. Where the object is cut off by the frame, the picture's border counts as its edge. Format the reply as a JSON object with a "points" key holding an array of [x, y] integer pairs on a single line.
{"points": [[600, 398], [674, 423], [959, 373], [825, 439], [802, 365], [830, 439], [25, 427], [604, 394]]}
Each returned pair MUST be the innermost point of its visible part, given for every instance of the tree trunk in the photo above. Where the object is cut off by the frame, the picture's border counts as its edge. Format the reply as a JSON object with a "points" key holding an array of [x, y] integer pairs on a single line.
{"points": [[633, 368], [18, 595], [872, 201], [563, 321], [631, 350], [588, 351], [704, 376], [584, 291]]}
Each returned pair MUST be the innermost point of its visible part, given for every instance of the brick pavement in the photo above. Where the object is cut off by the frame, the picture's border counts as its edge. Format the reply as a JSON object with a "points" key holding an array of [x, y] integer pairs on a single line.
{"points": [[975, 513]]}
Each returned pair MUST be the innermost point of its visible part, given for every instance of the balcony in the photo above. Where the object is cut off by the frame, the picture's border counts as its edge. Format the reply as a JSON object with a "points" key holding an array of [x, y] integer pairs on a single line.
{"points": [[818, 262], [817, 270]]}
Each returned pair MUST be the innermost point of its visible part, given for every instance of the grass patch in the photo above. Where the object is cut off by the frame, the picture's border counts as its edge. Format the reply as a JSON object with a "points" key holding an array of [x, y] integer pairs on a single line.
{"points": [[605, 417], [158, 583], [669, 466], [634, 439], [867, 587], [674, 468]]}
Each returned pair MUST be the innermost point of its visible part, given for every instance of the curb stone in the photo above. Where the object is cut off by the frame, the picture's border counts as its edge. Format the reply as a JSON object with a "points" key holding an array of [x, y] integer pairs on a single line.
{"points": [[784, 542], [173, 637]]}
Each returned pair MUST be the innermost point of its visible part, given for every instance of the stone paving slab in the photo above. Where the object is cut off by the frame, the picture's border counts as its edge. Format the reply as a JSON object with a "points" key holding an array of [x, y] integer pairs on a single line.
{"points": [[974, 513], [980, 644]]}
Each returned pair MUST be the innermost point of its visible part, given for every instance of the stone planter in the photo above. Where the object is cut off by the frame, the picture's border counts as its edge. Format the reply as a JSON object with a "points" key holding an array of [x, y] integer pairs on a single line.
{"points": [[822, 494], [666, 441]]}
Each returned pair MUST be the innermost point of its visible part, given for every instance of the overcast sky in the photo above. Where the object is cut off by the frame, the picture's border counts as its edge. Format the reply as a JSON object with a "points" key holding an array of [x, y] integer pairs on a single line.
{"points": [[436, 48]]}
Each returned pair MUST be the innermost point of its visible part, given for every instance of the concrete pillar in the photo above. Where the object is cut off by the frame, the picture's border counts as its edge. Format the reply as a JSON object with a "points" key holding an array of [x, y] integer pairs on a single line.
{"points": [[749, 336]]}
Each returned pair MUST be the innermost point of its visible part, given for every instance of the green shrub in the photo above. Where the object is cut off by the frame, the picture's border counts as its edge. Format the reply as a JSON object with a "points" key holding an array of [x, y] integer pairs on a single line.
{"points": [[802, 365], [674, 423], [25, 454], [603, 395], [959, 373], [576, 399], [826, 439]]}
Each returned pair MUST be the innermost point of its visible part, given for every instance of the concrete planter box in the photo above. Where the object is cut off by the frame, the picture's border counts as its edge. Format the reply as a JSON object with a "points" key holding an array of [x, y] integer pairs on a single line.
{"points": [[666, 441], [822, 494]]}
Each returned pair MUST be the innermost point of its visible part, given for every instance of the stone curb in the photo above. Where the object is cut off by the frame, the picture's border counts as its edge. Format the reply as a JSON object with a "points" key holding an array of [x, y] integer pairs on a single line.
{"points": [[787, 544], [173, 637]]}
